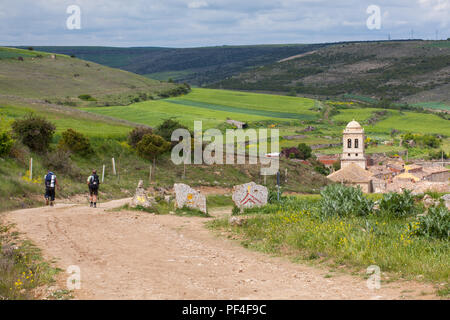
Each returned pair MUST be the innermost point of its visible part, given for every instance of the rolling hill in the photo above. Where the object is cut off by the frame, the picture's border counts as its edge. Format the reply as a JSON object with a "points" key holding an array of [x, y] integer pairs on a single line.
{"points": [[62, 80], [45, 85], [404, 71], [197, 66]]}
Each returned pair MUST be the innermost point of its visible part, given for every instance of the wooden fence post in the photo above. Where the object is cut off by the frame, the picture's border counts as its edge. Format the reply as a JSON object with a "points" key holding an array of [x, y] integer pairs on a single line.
{"points": [[114, 166]]}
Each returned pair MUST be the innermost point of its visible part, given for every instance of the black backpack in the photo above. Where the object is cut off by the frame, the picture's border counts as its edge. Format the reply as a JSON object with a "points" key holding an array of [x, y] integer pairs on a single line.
{"points": [[94, 182]]}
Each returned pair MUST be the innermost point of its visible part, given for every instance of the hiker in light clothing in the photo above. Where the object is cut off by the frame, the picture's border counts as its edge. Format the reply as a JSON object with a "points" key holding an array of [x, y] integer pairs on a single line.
{"points": [[93, 182], [50, 187]]}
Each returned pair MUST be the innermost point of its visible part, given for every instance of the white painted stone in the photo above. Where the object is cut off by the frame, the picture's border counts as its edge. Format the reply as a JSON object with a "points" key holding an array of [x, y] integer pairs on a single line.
{"points": [[185, 196], [446, 199], [140, 197], [250, 195]]}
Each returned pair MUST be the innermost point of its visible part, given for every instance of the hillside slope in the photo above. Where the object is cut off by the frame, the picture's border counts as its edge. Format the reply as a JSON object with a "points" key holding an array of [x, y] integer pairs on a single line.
{"points": [[62, 79], [30, 80], [198, 66], [405, 71]]}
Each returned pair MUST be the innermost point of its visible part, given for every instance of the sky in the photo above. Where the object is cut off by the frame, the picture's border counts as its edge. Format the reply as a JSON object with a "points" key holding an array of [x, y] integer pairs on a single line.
{"points": [[195, 23]]}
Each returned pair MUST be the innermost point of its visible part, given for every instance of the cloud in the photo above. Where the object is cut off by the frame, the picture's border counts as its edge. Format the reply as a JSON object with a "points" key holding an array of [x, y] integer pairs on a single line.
{"points": [[185, 23], [197, 4]]}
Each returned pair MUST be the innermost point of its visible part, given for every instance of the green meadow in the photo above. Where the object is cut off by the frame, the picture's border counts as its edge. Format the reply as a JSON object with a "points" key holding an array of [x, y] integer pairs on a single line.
{"points": [[90, 126], [361, 115], [412, 122], [433, 105], [214, 107], [291, 115]]}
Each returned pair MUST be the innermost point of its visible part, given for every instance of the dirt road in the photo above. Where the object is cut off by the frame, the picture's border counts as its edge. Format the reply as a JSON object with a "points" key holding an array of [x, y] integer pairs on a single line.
{"points": [[129, 255]]}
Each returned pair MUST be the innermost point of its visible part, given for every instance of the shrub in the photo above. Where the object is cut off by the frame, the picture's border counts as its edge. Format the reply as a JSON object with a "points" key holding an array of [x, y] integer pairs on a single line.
{"points": [[60, 162], [438, 155], [136, 135], [151, 146], [305, 151], [397, 204], [436, 224], [292, 93], [427, 140], [33, 131], [76, 142], [6, 143], [273, 196], [341, 200], [87, 97], [166, 128], [20, 152], [320, 168], [337, 166], [291, 153]]}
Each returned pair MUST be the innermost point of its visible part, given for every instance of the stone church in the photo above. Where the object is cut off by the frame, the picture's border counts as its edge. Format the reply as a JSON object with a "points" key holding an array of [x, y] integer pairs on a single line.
{"points": [[353, 170]]}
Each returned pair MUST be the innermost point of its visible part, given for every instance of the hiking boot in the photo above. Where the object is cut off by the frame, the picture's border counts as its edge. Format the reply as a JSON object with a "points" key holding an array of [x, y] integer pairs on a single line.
{"points": [[95, 205], [91, 205]]}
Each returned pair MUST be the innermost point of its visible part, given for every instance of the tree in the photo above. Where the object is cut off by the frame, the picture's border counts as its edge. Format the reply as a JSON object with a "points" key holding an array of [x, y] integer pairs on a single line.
{"points": [[337, 166], [166, 128], [305, 151], [33, 131], [6, 143], [76, 142], [152, 146], [291, 153], [292, 93]]}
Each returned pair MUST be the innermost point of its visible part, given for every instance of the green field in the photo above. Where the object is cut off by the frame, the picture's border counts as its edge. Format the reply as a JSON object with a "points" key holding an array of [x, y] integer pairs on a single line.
{"points": [[92, 127], [413, 122], [213, 107], [289, 114], [360, 115], [433, 105]]}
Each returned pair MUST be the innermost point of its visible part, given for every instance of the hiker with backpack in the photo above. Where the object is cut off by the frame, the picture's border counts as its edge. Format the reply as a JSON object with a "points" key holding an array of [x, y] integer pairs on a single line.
{"points": [[93, 182], [50, 187]]}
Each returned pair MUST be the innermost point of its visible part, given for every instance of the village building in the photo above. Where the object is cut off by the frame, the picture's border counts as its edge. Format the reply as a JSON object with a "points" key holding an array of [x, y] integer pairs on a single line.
{"points": [[353, 175], [353, 142], [393, 176], [437, 174], [353, 161], [238, 124], [328, 161]]}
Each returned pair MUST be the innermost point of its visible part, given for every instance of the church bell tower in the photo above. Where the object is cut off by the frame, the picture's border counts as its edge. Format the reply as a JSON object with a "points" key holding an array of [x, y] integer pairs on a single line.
{"points": [[353, 151]]}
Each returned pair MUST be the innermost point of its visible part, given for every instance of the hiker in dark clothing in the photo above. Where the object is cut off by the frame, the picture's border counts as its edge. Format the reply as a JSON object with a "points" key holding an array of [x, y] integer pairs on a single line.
{"points": [[93, 182], [50, 187]]}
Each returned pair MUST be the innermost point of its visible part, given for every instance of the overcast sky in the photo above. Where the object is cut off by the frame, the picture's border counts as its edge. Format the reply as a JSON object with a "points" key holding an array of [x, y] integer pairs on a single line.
{"points": [[191, 23]]}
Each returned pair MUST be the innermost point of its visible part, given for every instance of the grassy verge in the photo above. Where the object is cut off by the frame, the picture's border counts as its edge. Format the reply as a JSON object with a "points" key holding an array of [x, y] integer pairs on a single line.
{"points": [[219, 201], [22, 268], [356, 242]]}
